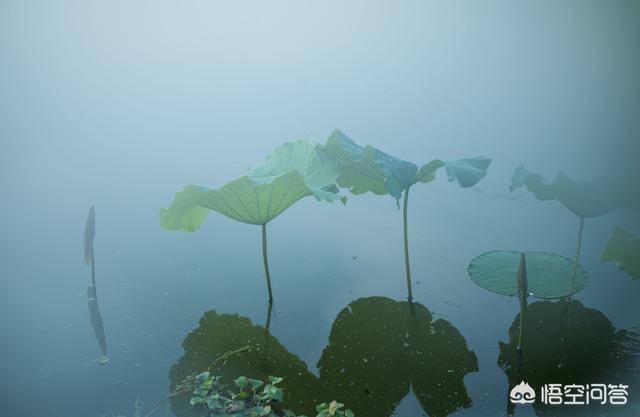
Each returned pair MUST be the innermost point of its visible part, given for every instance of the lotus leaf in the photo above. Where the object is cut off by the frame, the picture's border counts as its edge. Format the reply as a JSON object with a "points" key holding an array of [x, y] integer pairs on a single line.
{"points": [[367, 169], [583, 198], [548, 274], [293, 171]]}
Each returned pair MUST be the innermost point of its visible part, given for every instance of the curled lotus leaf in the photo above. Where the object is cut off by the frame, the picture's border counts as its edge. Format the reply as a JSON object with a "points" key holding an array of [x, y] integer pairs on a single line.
{"points": [[367, 169], [583, 198]]}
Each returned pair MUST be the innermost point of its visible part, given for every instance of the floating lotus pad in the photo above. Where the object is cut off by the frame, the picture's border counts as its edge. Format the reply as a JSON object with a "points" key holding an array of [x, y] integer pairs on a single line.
{"points": [[548, 274]]}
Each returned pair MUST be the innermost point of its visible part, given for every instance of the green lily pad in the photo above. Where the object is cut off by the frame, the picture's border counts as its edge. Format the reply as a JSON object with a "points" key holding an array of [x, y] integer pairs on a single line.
{"points": [[548, 274], [623, 248]]}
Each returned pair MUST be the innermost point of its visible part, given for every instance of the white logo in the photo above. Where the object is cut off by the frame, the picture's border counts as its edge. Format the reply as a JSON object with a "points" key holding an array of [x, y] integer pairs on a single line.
{"points": [[522, 394]]}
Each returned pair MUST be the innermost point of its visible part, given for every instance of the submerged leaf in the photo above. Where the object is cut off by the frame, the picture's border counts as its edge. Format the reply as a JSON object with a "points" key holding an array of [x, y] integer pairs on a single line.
{"points": [[367, 169], [89, 235], [624, 249], [548, 274], [294, 171], [583, 198]]}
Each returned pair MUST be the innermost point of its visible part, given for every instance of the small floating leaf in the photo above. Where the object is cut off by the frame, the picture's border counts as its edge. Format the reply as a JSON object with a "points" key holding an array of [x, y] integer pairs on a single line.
{"points": [[548, 274], [623, 248]]}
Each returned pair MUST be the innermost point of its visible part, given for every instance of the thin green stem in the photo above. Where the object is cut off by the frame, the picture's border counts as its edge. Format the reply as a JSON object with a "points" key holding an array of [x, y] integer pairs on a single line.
{"points": [[266, 260], [577, 260], [522, 295], [406, 245]]}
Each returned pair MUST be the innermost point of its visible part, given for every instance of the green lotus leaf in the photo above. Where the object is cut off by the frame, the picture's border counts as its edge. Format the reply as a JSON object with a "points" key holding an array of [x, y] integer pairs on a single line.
{"points": [[367, 169], [623, 248], [293, 171], [583, 198], [548, 275], [319, 170]]}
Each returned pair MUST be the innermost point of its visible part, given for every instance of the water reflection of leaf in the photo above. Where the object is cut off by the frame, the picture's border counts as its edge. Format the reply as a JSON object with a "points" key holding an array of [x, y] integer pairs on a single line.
{"points": [[570, 344], [218, 334], [379, 349]]}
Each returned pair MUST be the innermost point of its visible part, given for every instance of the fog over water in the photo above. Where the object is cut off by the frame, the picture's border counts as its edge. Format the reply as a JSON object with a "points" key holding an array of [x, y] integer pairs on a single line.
{"points": [[120, 104]]}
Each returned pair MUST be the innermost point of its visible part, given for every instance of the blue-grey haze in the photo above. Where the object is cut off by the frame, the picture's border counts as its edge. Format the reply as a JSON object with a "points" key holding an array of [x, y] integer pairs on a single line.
{"points": [[119, 104]]}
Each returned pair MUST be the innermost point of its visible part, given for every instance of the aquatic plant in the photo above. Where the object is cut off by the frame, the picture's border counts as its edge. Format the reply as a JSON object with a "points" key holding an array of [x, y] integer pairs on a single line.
{"points": [[293, 171], [231, 345], [367, 169], [252, 398], [526, 274], [92, 295], [623, 248], [370, 337], [585, 199]]}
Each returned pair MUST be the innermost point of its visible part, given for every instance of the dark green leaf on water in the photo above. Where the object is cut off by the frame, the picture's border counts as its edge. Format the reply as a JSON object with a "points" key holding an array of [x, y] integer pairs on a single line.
{"points": [[294, 171], [275, 380], [256, 383], [548, 274], [583, 198], [623, 248], [242, 382], [202, 377]]}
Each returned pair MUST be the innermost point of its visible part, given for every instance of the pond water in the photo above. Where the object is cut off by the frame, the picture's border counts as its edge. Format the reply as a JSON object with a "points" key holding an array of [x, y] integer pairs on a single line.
{"points": [[121, 106]]}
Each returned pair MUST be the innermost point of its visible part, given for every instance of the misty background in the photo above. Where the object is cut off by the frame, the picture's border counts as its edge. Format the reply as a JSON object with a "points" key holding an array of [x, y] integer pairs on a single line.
{"points": [[120, 104]]}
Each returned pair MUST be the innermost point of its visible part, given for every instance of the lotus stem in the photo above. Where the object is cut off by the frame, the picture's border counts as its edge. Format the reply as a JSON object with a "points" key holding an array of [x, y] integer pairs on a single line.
{"points": [[577, 260], [406, 245], [522, 295], [268, 322], [93, 267], [266, 261]]}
